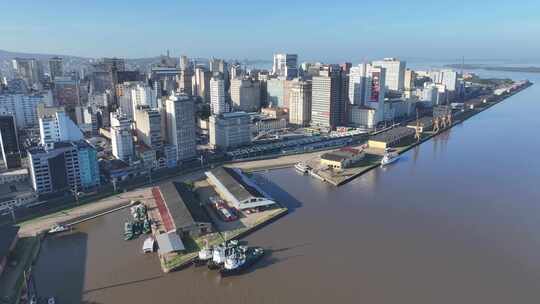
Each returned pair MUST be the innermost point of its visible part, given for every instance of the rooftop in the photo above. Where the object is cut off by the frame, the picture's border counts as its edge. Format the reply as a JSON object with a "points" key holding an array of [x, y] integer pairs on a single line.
{"points": [[234, 184], [393, 134], [182, 204], [12, 190], [341, 154]]}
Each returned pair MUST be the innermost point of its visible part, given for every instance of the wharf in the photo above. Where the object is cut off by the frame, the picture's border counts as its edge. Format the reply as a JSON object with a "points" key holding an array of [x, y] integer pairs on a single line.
{"points": [[374, 156]]}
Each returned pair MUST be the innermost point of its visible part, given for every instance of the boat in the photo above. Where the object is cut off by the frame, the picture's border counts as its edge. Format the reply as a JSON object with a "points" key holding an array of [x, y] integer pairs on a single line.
{"points": [[389, 157], [204, 256], [149, 245], [57, 228], [302, 168], [220, 252], [240, 260], [51, 300]]}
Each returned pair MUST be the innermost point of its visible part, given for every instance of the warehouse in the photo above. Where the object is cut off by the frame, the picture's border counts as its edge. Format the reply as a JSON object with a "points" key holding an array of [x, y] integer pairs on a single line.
{"points": [[236, 188], [182, 213], [391, 138], [342, 158]]}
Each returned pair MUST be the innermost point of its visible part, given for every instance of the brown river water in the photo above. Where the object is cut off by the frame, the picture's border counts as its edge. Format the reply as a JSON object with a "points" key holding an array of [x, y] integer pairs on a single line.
{"points": [[456, 220]]}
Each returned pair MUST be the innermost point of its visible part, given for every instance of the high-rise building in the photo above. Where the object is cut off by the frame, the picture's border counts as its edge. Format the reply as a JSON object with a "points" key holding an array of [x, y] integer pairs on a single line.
{"points": [[329, 98], [245, 95], [121, 137], [201, 83], [65, 166], [23, 107], [395, 73], [66, 92], [56, 67], [27, 69], [180, 113], [285, 65], [55, 126], [218, 103], [186, 74], [221, 68], [148, 127], [9, 142], [450, 80], [230, 130], [410, 77], [275, 92], [300, 102]]}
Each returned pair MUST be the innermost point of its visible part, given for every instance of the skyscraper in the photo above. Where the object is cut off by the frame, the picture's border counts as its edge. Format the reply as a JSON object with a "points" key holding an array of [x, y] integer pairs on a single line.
{"points": [[218, 103], [9, 142], [328, 103], [230, 130], [201, 83], [27, 69], [56, 67], [285, 65], [245, 95], [180, 113], [121, 137], [395, 72], [148, 127], [300, 102]]}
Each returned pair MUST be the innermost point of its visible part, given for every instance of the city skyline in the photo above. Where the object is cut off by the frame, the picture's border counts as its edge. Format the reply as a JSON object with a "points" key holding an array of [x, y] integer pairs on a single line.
{"points": [[484, 30]]}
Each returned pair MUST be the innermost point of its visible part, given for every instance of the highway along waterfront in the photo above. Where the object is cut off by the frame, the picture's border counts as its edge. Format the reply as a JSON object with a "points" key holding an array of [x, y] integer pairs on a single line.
{"points": [[455, 220]]}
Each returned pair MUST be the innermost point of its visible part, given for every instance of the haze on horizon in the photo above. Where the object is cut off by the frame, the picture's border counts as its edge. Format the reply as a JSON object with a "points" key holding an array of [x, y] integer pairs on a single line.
{"points": [[329, 31]]}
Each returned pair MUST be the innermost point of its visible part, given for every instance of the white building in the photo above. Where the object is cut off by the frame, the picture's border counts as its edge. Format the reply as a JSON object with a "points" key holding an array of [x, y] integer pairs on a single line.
{"points": [[395, 73], [148, 127], [23, 107], [230, 130], [218, 103], [55, 126], [180, 113], [121, 137], [366, 95], [245, 95], [300, 102], [285, 65]]}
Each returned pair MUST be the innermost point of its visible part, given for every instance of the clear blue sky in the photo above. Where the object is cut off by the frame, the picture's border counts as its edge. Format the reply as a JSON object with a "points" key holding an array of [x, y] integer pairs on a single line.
{"points": [[326, 30]]}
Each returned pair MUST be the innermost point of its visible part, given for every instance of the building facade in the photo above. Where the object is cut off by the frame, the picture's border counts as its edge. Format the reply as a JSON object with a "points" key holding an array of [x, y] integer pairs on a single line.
{"points": [[180, 113], [230, 130]]}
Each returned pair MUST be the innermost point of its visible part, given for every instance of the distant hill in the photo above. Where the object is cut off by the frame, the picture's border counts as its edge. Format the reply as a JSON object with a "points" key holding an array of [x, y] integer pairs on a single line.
{"points": [[7, 55]]}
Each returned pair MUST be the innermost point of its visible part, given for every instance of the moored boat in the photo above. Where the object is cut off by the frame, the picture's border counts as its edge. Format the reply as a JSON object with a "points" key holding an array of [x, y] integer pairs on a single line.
{"points": [[302, 168], [240, 260], [149, 245], [389, 157]]}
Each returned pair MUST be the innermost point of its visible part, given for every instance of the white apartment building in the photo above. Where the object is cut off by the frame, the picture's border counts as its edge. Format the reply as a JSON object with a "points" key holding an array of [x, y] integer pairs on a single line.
{"points": [[245, 95], [300, 102], [218, 103], [180, 113], [395, 73], [121, 137], [55, 126]]}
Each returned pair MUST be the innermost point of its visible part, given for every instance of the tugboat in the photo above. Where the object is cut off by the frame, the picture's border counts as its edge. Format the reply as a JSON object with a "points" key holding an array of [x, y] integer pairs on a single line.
{"points": [[128, 231], [57, 228], [220, 252], [389, 157], [241, 259], [302, 168]]}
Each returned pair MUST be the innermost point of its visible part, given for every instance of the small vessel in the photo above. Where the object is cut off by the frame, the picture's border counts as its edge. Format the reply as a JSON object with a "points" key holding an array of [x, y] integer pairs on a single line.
{"points": [[205, 255], [57, 228], [220, 252], [389, 157], [149, 245], [302, 168], [51, 300], [241, 259]]}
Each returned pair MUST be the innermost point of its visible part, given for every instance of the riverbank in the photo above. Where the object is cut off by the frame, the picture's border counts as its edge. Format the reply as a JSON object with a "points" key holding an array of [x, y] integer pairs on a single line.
{"points": [[374, 156]]}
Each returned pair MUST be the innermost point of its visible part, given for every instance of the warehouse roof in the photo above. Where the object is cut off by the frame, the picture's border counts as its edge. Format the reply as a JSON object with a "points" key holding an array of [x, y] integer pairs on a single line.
{"points": [[169, 242], [182, 205], [234, 184], [341, 154], [393, 134]]}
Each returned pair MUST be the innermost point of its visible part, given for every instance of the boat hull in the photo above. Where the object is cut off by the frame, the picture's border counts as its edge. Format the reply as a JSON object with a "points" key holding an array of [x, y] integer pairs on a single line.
{"points": [[250, 261]]}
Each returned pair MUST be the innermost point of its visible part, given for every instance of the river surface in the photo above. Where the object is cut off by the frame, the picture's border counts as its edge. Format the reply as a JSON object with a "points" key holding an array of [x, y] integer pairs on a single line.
{"points": [[456, 220]]}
